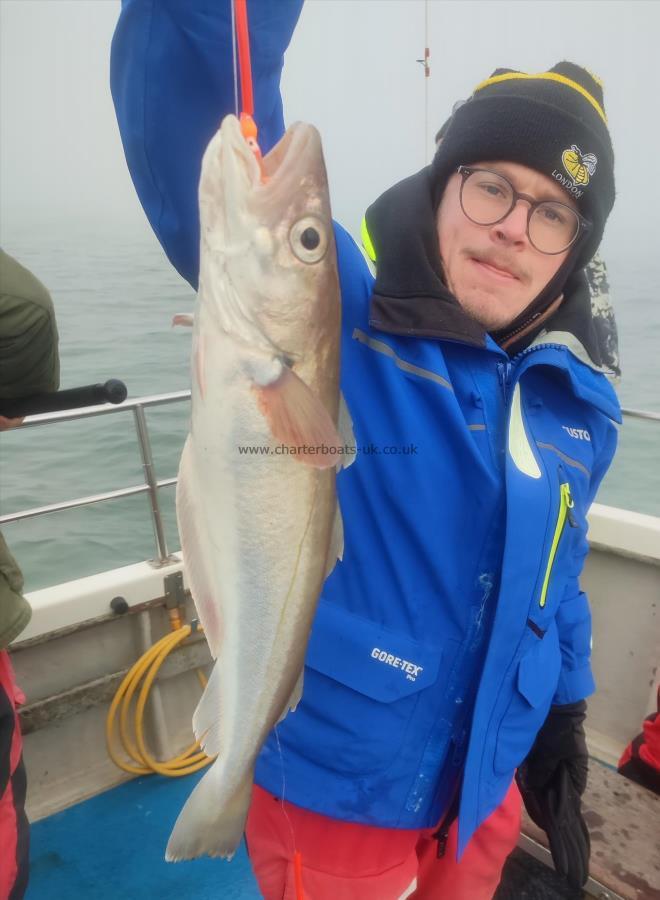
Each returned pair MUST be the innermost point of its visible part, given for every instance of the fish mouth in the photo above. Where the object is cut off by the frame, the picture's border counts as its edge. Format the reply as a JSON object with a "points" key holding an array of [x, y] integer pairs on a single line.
{"points": [[296, 154], [235, 156], [299, 145]]}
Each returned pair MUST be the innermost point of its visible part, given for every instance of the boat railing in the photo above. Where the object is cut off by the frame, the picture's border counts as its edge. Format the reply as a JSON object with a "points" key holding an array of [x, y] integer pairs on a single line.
{"points": [[152, 484]]}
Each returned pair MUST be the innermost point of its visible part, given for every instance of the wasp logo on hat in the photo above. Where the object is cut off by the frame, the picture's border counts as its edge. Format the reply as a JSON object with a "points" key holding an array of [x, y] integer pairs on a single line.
{"points": [[580, 166]]}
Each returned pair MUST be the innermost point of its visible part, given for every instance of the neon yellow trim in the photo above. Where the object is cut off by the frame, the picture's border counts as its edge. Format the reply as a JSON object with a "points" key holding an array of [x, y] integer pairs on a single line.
{"points": [[547, 76], [366, 240], [565, 503]]}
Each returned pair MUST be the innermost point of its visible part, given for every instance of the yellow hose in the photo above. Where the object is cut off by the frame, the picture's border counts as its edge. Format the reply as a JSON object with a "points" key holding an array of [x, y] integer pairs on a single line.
{"points": [[133, 744]]}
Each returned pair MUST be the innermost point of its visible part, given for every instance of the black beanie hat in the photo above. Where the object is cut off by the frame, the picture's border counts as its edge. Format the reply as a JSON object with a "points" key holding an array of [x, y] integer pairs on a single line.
{"points": [[553, 122]]}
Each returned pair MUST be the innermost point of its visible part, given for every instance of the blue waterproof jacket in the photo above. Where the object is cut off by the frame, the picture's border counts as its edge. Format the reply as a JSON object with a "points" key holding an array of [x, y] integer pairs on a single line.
{"points": [[455, 618]]}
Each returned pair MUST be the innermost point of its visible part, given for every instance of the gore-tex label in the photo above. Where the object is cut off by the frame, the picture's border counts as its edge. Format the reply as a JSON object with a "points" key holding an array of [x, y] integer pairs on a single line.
{"points": [[411, 669]]}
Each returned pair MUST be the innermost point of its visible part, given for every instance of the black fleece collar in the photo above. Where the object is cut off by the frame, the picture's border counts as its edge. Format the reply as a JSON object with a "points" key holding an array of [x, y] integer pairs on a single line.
{"points": [[409, 297]]}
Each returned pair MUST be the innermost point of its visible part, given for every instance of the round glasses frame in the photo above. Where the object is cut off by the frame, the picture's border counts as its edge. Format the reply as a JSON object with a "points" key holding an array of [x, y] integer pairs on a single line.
{"points": [[584, 225]]}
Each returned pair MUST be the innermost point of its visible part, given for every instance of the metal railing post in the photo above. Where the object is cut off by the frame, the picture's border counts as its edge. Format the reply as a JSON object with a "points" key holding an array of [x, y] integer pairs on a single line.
{"points": [[152, 483]]}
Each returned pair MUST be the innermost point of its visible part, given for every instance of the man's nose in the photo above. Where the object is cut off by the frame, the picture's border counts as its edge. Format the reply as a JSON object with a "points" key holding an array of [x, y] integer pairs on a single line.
{"points": [[514, 227]]}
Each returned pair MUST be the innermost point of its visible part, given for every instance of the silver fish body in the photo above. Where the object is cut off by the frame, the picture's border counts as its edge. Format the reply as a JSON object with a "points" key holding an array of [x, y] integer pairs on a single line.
{"points": [[260, 527]]}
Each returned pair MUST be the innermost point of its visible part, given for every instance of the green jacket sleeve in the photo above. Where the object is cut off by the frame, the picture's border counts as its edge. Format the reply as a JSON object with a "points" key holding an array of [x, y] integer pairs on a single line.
{"points": [[29, 360], [15, 611], [29, 364]]}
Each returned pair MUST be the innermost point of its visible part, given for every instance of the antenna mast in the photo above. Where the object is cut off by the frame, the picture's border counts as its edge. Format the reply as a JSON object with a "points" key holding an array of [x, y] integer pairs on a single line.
{"points": [[427, 74]]}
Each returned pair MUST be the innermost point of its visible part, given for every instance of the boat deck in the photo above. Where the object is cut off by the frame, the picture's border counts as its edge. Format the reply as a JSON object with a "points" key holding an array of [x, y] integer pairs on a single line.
{"points": [[111, 848]]}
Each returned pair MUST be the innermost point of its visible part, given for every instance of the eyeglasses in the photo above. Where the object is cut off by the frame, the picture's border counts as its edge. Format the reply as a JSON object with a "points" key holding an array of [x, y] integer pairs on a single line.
{"points": [[487, 198]]}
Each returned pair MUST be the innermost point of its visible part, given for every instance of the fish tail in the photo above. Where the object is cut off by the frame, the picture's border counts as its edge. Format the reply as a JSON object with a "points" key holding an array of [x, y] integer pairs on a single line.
{"points": [[206, 826]]}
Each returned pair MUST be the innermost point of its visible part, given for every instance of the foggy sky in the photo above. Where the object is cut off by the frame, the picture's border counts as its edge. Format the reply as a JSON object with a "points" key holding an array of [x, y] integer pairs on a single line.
{"points": [[351, 70]]}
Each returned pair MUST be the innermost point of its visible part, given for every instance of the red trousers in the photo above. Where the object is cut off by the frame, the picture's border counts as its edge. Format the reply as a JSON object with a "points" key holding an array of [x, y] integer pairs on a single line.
{"points": [[346, 861], [14, 833]]}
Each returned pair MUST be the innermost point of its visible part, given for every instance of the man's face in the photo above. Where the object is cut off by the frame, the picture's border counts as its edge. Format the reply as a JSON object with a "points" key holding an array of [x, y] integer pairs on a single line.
{"points": [[493, 270]]}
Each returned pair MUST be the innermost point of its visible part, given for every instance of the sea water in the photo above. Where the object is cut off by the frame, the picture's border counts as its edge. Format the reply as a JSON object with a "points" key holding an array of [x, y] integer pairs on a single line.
{"points": [[115, 295]]}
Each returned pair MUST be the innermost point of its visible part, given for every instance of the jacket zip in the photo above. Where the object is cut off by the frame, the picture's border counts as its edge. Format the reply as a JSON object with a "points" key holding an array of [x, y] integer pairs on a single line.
{"points": [[442, 833], [549, 345], [566, 500], [529, 324], [564, 514], [504, 368]]}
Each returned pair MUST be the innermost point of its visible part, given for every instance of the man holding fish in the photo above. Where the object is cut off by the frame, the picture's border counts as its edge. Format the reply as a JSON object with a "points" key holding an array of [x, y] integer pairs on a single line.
{"points": [[450, 643]]}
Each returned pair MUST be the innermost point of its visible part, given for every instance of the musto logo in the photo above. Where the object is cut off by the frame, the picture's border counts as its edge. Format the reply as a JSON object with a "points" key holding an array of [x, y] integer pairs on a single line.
{"points": [[580, 434], [411, 670]]}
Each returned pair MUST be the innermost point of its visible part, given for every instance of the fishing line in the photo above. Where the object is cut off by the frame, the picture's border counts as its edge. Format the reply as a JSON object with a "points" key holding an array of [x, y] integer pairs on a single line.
{"points": [[297, 856], [234, 54], [286, 815]]}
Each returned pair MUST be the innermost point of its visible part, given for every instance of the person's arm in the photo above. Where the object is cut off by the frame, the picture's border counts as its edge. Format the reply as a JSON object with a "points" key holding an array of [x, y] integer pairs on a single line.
{"points": [[15, 611], [172, 81], [29, 364], [554, 776], [576, 680], [6, 424], [29, 357]]}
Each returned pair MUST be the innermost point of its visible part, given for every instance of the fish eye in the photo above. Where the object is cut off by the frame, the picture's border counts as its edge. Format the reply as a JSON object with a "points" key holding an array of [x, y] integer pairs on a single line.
{"points": [[308, 239]]}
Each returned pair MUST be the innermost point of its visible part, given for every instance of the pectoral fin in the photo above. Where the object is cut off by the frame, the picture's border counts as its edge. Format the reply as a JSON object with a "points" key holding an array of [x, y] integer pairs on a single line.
{"points": [[297, 418]]}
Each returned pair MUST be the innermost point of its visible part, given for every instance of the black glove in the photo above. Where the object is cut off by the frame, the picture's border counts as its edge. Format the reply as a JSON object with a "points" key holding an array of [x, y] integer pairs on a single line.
{"points": [[552, 780]]}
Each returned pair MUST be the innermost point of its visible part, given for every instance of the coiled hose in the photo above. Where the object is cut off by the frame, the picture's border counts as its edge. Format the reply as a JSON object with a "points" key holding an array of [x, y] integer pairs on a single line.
{"points": [[131, 721]]}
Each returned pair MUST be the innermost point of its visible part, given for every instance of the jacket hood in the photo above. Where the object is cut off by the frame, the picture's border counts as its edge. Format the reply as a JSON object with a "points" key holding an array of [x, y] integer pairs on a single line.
{"points": [[410, 298]]}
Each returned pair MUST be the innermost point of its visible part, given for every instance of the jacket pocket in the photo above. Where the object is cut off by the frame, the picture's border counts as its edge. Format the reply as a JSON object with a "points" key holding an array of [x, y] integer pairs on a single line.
{"points": [[362, 685], [532, 689]]}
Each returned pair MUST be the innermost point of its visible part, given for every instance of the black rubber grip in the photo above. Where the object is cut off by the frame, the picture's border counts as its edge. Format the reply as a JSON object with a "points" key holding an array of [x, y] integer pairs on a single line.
{"points": [[113, 391]]}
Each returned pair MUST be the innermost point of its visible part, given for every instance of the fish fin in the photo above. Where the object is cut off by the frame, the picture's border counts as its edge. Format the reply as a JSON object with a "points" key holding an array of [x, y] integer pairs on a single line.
{"points": [[198, 362], [186, 319], [202, 585], [336, 546], [294, 699], [296, 417], [345, 428], [206, 827], [206, 718]]}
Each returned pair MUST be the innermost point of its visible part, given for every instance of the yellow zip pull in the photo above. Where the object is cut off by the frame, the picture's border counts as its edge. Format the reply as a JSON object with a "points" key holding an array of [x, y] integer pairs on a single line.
{"points": [[566, 504]]}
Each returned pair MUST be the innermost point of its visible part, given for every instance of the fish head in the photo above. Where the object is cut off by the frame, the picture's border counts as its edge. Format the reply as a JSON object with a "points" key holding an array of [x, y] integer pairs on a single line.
{"points": [[268, 232]]}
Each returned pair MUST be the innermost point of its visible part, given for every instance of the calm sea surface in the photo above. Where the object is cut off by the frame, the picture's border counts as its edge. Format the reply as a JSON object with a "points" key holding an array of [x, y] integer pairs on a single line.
{"points": [[114, 298]]}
